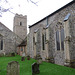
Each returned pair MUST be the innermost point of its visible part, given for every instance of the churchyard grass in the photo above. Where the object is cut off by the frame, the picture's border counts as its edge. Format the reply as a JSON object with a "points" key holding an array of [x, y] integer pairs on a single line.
{"points": [[25, 67]]}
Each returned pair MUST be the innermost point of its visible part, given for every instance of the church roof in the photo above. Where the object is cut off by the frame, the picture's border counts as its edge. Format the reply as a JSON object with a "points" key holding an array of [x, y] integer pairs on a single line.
{"points": [[5, 26], [53, 13]]}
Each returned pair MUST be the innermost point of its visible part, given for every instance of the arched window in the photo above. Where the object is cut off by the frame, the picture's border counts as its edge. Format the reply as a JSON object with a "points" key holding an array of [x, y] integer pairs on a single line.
{"points": [[60, 39]]}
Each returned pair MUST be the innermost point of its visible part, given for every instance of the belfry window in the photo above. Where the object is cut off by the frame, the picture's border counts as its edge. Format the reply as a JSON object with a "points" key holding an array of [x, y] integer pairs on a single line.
{"points": [[20, 23], [60, 39]]}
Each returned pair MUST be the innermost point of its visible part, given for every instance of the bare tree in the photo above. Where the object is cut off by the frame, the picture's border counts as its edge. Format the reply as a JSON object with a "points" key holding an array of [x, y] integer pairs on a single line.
{"points": [[3, 9]]}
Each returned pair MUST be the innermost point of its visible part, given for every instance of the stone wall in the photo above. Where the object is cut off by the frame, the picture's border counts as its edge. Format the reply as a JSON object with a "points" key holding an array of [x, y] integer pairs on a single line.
{"points": [[72, 38]]}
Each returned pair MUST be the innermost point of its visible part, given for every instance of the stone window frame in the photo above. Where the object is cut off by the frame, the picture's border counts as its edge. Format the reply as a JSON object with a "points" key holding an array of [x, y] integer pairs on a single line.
{"points": [[34, 43], [43, 39], [58, 27]]}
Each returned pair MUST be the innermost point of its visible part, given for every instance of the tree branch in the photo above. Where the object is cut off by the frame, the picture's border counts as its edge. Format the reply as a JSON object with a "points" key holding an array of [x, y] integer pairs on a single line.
{"points": [[2, 9], [33, 2]]}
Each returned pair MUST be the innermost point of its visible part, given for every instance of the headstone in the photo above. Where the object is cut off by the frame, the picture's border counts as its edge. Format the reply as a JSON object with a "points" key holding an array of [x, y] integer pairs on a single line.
{"points": [[22, 58], [35, 69], [13, 68], [28, 57], [39, 59], [12, 54]]}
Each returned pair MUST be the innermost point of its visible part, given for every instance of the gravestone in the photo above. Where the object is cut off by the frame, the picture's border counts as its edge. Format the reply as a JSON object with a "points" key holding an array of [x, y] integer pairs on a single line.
{"points": [[39, 59], [13, 68], [28, 57], [23, 57], [35, 69]]}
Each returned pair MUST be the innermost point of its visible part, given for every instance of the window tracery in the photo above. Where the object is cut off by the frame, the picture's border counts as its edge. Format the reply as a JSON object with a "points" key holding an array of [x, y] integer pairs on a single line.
{"points": [[59, 29]]}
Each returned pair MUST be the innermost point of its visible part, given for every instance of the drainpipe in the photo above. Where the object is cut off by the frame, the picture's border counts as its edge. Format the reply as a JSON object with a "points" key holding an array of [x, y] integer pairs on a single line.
{"points": [[47, 20]]}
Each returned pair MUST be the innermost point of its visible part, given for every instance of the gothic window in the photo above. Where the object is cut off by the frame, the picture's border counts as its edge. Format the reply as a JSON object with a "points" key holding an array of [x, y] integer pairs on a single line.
{"points": [[60, 39], [57, 40], [43, 41]]}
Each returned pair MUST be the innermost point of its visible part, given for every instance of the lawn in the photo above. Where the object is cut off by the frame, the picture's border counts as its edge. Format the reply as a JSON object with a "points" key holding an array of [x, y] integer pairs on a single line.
{"points": [[25, 67]]}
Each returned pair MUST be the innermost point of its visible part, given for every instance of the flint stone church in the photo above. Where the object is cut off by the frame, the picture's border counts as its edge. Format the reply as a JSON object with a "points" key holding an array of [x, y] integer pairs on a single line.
{"points": [[52, 38]]}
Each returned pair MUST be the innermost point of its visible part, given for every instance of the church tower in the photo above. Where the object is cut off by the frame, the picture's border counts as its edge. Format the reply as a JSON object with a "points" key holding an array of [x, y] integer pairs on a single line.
{"points": [[20, 26]]}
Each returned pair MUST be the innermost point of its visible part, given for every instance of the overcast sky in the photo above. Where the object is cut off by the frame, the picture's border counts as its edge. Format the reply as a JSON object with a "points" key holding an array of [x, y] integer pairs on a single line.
{"points": [[34, 13]]}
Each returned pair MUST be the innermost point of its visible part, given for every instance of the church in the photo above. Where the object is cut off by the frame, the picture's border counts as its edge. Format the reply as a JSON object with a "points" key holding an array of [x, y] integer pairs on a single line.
{"points": [[52, 38]]}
